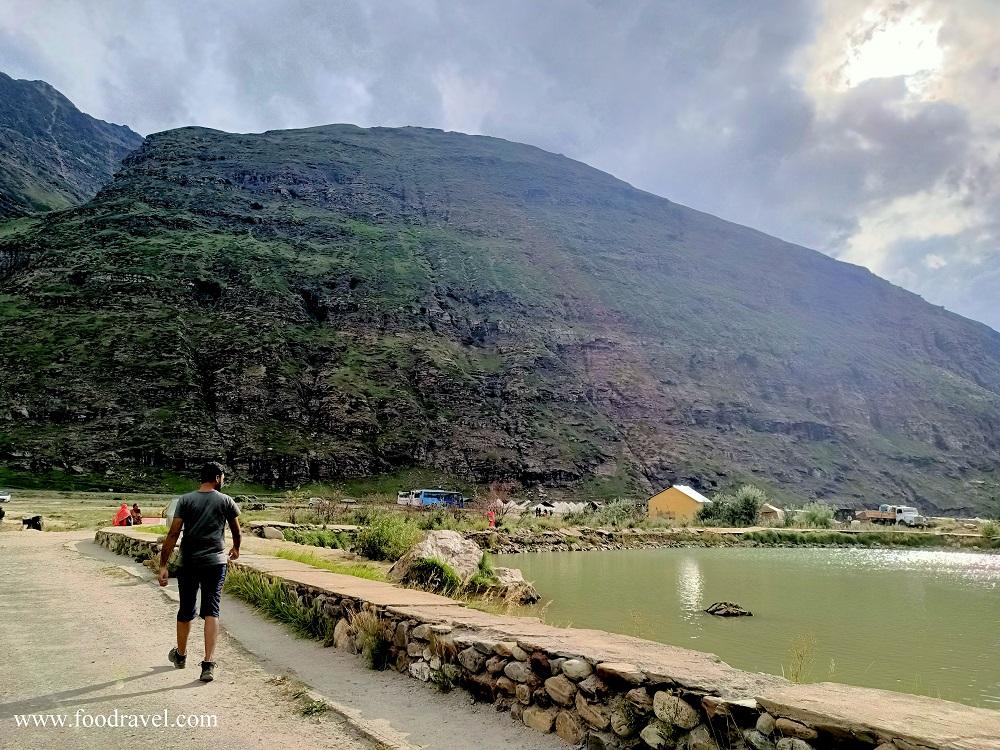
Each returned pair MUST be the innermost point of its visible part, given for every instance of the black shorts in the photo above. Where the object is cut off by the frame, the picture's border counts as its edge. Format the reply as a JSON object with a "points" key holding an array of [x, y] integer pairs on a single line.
{"points": [[208, 578]]}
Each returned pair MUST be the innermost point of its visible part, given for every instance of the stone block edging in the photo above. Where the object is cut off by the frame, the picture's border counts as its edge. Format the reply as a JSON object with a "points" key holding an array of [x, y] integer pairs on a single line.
{"points": [[610, 690]]}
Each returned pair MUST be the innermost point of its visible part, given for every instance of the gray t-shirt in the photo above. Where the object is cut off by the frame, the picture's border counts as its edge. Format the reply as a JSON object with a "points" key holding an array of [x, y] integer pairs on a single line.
{"points": [[205, 515]]}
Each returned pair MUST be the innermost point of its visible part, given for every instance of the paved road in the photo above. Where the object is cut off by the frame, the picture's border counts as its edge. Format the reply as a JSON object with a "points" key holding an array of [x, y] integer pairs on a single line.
{"points": [[79, 634]]}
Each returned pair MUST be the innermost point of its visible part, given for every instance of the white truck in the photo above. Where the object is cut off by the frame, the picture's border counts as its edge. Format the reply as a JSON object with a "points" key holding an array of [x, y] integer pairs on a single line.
{"points": [[900, 515], [4, 496]]}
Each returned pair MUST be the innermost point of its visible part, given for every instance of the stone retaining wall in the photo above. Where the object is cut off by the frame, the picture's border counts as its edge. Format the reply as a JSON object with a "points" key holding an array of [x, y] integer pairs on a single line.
{"points": [[607, 690]]}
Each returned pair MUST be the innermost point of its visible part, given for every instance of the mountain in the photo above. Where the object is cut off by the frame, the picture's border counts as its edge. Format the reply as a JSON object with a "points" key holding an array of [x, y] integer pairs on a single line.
{"points": [[52, 155], [343, 302]]}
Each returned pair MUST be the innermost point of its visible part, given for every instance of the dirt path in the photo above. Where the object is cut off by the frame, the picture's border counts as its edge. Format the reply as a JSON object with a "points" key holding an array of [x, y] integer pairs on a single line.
{"points": [[64, 655], [81, 634]]}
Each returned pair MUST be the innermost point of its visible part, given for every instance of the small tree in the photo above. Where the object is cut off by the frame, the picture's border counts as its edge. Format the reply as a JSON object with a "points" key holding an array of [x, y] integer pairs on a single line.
{"points": [[739, 509], [818, 515]]}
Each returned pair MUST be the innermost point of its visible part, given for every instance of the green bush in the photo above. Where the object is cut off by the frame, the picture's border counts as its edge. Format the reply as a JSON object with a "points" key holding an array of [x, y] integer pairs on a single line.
{"points": [[317, 538], [739, 509], [276, 601], [990, 531], [484, 578], [818, 515], [433, 574], [619, 512], [386, 537], [376, 637]]}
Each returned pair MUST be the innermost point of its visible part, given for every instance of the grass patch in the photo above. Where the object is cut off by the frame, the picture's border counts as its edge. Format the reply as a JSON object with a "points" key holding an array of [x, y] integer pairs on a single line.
{"points": [[376, 637], [388, 536], [158, 529], [317, 538], [274, 600], [433, 574], [358, 570]]}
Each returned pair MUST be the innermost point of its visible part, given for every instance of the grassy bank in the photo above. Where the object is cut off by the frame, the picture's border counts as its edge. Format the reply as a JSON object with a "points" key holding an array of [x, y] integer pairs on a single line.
{"points": [[826, 538]]}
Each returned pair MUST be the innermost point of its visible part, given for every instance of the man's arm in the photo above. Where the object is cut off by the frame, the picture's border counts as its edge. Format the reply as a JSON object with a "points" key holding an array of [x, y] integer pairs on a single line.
{"points": [[168, 546], [234, 528]]}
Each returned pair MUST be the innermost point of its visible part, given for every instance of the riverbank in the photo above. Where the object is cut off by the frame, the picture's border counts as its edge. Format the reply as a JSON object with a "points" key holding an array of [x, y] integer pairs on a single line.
{"points": [[591, 686]]}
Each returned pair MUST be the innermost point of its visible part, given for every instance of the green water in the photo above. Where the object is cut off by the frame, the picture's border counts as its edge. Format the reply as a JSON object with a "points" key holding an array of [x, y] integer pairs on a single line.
{"points": [[913, 621]]}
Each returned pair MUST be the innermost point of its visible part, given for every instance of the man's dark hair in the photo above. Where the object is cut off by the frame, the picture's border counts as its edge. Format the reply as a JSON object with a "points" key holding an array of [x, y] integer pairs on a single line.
{"points": [[212, 470]]}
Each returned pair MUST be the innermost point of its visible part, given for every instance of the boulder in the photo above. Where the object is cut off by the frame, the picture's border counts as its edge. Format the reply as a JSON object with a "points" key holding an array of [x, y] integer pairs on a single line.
{"points": [[510, 650], [471, 659], [576, 669], [789, 728], [569, 727], [541, 719], [658, 734], [793, 743], [756, 740], [728, 609], [447, 546], [593, 687], [518, 671], [612, 671], [700, 738], [511, 586], [561, 690], [639, 697], [270, 532], [595, 714], [765, 723], [421, 670], [674, 710]]}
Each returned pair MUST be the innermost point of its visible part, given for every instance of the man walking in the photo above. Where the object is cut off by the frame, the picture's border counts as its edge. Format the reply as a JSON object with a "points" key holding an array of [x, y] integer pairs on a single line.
{"points": [[203, 516]]}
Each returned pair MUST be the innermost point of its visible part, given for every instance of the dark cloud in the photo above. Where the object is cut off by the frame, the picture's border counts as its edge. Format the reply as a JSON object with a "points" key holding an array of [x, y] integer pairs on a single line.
{"points": [[711, 104]]}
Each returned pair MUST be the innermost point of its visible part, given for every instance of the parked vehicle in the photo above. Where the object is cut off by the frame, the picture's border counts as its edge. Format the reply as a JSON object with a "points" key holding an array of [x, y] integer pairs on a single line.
{"points": [[428, 498], [900, 515], [4, 496]]}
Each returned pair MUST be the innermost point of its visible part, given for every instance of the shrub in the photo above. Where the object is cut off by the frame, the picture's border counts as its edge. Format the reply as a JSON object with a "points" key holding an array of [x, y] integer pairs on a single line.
{"points": [[317, 538], [276, 601], [433, 574], [484, 578], [739, 509], [990, 530], [619, 512], [376, 637], [386, 537], [817, 515]]}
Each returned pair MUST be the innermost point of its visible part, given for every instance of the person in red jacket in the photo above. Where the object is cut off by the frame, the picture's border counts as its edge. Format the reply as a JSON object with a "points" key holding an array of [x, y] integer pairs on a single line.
{"points": [[122, 517]]}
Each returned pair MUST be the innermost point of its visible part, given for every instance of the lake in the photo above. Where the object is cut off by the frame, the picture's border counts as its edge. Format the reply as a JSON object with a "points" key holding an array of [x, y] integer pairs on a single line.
{"points": [[924, 622]]}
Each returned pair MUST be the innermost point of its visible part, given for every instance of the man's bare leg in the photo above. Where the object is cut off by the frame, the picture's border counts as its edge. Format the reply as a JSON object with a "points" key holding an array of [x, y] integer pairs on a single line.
{"points": [[183, 630], [211, 633]]}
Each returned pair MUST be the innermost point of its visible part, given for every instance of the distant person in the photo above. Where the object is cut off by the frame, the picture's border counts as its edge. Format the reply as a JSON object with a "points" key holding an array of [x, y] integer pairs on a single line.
{"points": [[136, 515], [491, 516], [203, 516], [122, 517]]}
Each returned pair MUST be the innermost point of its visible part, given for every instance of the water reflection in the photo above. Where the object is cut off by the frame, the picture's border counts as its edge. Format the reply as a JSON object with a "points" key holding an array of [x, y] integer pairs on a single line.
{"points": [[690, 586]]}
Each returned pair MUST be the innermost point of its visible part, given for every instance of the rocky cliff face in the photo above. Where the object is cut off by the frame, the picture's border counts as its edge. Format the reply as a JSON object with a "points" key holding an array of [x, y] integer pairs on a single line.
{"points": [[337, 301], [52, 155]]}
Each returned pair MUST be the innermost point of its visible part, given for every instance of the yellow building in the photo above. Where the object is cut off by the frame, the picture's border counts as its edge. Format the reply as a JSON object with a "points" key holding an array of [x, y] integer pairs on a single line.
{"points": [[678, 503]]}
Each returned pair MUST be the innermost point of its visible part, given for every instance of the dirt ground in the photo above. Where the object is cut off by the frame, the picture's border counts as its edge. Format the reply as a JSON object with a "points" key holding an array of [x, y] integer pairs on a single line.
{"points": [[84, 629]]}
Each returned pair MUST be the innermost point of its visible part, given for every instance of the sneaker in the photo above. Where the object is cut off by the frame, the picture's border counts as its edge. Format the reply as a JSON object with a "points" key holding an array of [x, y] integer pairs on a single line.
{"points": [[207, 671], [178, 660]]}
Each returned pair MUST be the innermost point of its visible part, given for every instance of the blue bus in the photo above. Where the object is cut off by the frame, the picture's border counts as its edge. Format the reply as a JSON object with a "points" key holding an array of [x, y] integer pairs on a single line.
{"points": [[427, 498]]}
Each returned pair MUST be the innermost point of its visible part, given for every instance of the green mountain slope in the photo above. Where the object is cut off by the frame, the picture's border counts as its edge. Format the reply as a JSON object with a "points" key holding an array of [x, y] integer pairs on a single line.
{"points": [[336, 301], [52, 155]]}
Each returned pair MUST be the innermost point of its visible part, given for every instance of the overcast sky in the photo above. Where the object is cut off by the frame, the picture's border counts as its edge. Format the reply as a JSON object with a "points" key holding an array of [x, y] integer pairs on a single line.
{"points": [[867, 129]]}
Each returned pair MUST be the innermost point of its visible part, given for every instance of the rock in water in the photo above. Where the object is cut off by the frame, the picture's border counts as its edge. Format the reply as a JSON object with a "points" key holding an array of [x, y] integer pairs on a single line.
{"points": [[728, 609], [511, 586]]}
